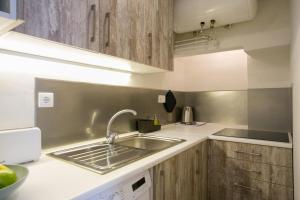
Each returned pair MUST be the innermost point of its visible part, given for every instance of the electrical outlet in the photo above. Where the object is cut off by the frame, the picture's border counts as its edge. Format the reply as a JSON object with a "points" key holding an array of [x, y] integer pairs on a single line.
{"points": [[161, 98], [46, 100]]}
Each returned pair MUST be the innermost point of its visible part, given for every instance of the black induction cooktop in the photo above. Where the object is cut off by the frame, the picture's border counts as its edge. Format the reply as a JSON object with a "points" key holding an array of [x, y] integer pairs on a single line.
{"points": [[254, 134]]}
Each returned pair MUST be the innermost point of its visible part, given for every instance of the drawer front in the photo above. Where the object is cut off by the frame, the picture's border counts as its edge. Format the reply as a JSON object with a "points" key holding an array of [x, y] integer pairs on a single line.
{"points": [[228, 193], [251, 152], [251, 170], [218, 192], [241, 188]]}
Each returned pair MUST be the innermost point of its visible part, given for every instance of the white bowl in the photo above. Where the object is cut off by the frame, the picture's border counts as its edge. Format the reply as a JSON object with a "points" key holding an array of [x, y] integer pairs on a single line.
{"points": [[22, 173]]}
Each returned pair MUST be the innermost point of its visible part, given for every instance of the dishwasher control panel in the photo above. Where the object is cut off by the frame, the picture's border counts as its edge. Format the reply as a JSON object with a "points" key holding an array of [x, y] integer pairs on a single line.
{"points": [[136, 188]]}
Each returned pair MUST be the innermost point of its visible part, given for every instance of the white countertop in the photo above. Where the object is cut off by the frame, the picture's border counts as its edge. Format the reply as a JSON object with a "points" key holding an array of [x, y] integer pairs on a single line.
{"points": [[50, 178]]}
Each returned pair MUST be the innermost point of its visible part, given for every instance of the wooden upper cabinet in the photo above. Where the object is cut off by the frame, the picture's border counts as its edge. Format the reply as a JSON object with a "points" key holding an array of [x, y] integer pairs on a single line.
{"points": [[165, 29], [140, 31], [72, 22], [139, 38], [115, 32], [159, 28]]}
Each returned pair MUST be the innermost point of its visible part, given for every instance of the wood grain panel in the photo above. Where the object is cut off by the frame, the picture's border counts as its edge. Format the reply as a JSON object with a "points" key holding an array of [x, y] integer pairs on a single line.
{"points": [[71, 22], [183, 176], [170, 65], [159, 23], [251, 152], [240, 188], [141, 31], [248, 171], [150, 11], [251, 170], [138, 36]]}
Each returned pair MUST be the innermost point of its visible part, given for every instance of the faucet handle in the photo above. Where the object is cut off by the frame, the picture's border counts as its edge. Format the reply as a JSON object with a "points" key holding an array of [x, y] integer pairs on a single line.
{"points": [[111, 138]]}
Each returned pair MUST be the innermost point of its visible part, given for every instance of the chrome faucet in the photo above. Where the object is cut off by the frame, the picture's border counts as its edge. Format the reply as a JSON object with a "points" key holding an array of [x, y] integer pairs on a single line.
{"points": [[110, 136]]}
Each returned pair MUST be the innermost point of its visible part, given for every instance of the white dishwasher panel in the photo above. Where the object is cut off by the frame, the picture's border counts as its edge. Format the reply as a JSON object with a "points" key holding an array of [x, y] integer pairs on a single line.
{"points": [[136, 188]]}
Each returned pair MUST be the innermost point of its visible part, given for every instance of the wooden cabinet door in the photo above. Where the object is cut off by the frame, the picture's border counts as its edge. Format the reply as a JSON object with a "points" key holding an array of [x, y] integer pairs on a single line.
{"points": [[139, 39], [72, 22], [152, 31], [248, 170], [183, 176], [252, 152], [170, 64], [115, 29], [159, 27], [123, 30], [141, 30], [166, 34]]}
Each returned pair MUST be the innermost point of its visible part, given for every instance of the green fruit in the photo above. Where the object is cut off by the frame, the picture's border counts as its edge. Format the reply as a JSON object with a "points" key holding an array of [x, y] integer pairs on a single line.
{"points": [[7, 176]]}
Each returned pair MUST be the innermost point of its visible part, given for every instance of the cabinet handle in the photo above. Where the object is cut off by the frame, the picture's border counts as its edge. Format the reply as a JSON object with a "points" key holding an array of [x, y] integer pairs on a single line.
{"points": [[252, 154], [247, 170], [247, 188], [150, 45], [93, 12], [107, 20]]}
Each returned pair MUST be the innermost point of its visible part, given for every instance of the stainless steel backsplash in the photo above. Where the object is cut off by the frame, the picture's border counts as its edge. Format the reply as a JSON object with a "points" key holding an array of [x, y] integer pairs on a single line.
{"points": [[270, 109], [260, 109], [227, 107], [82, 110]]}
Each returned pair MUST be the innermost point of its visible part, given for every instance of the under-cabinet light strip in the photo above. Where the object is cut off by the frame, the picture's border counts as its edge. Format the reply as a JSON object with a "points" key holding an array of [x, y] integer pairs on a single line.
{"points": [[28, 45]]}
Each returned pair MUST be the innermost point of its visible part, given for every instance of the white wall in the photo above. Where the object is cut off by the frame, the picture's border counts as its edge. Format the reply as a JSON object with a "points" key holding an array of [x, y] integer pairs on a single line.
{"points": [[295, 62], [237, 70], [269, 67], [16, 101], [215, 71], [271, 27], [169, 80]]}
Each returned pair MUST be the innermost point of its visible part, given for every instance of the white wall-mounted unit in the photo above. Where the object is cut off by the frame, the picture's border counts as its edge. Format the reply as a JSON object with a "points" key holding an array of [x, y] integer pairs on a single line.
{"points": [[189, 13], [8, 15]]}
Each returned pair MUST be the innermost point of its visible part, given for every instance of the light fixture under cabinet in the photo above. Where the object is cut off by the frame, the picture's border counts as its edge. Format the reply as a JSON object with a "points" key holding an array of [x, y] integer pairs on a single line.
{"points": [[28, 46]]}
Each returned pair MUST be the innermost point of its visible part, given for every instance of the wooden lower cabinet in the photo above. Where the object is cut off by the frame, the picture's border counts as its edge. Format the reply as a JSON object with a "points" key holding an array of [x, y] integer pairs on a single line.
{"points": [[263, 191], [239, 171], [252, 152], [219, 170], [182, 177]]}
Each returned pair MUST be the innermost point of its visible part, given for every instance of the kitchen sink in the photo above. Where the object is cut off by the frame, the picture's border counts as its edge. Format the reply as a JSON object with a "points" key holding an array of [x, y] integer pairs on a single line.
{"points": [[103, 158], [151, 143]]}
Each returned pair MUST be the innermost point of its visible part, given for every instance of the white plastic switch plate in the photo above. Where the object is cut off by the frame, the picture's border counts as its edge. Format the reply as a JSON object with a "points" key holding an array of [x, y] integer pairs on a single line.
{"points": [[46, 100], [161, 98]]}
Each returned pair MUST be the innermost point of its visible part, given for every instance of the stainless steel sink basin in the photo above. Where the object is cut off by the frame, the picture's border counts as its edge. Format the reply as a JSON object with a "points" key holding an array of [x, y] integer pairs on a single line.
{"points": [[103, 158], [151, 143]]}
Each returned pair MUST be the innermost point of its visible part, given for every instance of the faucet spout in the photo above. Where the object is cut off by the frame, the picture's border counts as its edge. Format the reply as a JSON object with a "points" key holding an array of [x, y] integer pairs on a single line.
{"points": [[111, 136]]}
